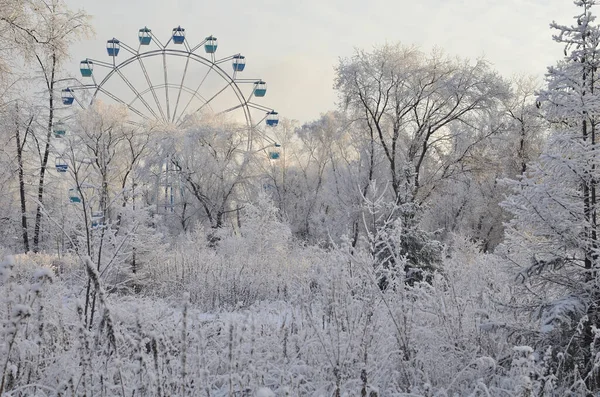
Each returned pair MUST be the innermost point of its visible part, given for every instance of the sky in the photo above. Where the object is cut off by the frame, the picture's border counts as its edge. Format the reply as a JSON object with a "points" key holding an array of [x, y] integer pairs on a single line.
{"points": [[295, 45]]}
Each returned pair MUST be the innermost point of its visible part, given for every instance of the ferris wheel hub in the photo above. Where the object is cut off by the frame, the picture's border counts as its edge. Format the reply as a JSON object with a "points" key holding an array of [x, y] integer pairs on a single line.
{"points": [[169, 126]]}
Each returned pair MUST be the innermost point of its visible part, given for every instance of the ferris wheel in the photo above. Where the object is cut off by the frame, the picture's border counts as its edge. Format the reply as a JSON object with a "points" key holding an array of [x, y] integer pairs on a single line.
{"points": [[165, 84]]}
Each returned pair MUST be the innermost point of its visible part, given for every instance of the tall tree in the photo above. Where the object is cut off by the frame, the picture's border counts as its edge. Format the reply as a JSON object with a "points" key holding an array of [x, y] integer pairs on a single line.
{"points": [[21, 134], [211, 161], [526, 124], [417, 109], [553, 238], [467, 202], [423, 115], [42, 31]]}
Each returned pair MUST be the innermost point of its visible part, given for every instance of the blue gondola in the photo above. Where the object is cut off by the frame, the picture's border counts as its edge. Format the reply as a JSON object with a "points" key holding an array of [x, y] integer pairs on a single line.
{"points": [[74, 196], [112, 47], [239, 62], [67, 96], [61, 165], [274, 155], [86, 67], [211, 45], [144, 36], [272, 118], [268, 187], [59, 130], [97, 219], [260, 88], [178, 35]]}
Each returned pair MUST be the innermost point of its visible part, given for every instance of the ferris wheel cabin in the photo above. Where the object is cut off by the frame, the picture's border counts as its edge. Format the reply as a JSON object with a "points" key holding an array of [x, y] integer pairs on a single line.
{"points": [[239, 63], [260, 88], [67, 96], [178, 35], [86, 67], [74, 196], [97, 219], [272, 118], [274, 154], [59, 130], [61, 165], [211, 45], [144, 36], [112, 47]]}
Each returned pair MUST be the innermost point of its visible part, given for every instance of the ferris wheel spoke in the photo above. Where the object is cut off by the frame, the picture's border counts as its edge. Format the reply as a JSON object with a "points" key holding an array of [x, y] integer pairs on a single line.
{"points": [[243, 102], [213, 97], [81, 105], [186, 45], [264, 137], [135, 123], [166, 85], [226, 59], [175, 86], [158, 42], [187, 62], [199, 45], [194, 95], [127, 48], [232, 108], [76, 99], [117, 99], [79, 88], [255, 126], [151, 86], [136, 92], [259, 107], [97, 62]]}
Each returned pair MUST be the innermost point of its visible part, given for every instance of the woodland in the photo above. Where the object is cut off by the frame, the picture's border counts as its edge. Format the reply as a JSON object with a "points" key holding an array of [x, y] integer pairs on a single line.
{"points": [[436, 234]]}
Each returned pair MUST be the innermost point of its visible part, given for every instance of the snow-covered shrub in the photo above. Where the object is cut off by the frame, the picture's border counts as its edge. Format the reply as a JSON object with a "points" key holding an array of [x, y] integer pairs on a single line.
{"points": [[335, 332], [255, 262]]}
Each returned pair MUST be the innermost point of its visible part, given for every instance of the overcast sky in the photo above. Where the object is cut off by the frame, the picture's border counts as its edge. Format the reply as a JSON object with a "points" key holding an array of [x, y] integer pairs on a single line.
{"points": [[295, 45]]}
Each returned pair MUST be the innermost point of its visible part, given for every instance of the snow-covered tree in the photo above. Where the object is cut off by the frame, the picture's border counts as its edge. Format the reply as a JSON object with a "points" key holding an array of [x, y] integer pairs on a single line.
{"points": [[419, 110], [41, 32], [423, 116], [526, 125], [552, 241], [211, 156], [315, 181], [467, 201]]}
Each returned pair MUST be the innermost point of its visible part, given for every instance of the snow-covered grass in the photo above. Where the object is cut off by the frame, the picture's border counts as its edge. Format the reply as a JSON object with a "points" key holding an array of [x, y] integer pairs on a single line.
{"points": [[325, 329]]}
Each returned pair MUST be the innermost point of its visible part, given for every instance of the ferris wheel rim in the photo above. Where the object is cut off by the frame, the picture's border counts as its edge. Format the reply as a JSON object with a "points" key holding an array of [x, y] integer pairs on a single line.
{"points": [[212, 65], [189, 53]]}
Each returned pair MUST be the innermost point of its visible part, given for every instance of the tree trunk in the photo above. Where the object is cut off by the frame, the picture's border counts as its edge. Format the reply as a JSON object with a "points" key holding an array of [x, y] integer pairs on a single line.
{"points": [[44, 164], [24, 231], [591, 255]]}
